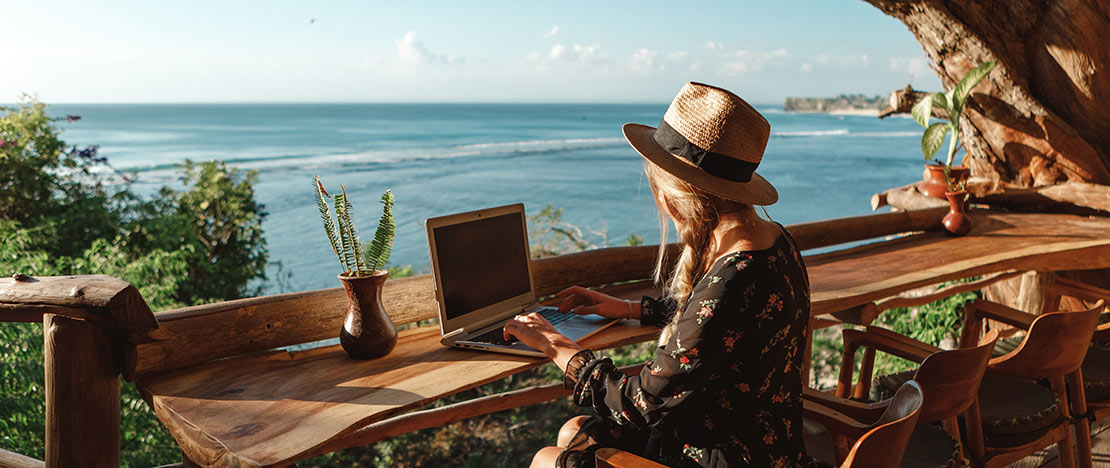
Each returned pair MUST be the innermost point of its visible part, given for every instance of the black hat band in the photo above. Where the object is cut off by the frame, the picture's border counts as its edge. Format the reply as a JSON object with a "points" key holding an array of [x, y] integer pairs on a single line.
{"points": [[714, 164]]}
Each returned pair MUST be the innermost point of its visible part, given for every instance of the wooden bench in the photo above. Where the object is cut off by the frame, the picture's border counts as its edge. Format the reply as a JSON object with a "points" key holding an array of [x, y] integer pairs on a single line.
{"points": [[212, 376]]}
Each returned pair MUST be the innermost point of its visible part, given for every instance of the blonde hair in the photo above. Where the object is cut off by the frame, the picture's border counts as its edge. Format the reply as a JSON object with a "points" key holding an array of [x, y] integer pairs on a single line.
{"points": [[696, 214]]}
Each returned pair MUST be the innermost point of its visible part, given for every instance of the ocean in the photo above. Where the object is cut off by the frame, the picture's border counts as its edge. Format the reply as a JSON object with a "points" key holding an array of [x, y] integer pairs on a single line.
{"points": [[445, 158]]}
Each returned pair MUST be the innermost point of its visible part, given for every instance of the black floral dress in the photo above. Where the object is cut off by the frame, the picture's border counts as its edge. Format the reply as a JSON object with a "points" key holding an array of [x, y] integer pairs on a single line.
{"points": [[726, 389]]}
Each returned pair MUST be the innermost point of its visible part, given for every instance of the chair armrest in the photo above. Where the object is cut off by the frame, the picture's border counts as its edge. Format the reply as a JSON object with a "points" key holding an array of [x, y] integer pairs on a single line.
{"points": [[894, 343], [982, 309], [615, 458], [875, 339], [1079, 290], [857, 410], [834, 421]]}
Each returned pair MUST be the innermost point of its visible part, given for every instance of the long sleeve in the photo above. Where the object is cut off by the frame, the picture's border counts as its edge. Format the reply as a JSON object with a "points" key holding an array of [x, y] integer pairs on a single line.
{"points": [[702, 344]]}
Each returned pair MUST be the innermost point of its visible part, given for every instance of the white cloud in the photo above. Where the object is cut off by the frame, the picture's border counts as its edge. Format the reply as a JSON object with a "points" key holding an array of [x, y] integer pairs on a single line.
{"points": [[678, 56], [575, 53], [644, 61], [554, 30], [805, 68], [823, 58], [713, 46], [558, 51], [412, 50], [743, 60]]}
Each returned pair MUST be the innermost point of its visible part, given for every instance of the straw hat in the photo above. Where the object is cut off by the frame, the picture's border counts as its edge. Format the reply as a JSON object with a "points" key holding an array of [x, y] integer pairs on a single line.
{"points": [[712, 139]]}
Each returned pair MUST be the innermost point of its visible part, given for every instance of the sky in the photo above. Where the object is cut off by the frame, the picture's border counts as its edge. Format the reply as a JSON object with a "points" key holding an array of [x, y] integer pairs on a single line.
{"points": [[80, 51]]}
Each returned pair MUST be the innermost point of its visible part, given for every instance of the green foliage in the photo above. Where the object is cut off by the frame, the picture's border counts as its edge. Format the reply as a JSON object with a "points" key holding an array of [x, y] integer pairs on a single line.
{"points": [[69, 213], [549, 235], [953, 103], [343, 235], [379, 249], [937, 323]]}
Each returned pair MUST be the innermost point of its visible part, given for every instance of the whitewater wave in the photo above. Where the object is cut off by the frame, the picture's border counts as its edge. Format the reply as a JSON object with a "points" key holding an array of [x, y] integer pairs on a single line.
{"points": [[308, 161], [843, 132]]}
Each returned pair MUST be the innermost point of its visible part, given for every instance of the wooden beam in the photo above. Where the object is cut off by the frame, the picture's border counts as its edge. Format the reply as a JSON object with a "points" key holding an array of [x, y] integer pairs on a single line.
{"points": [[79, 296], [950, 290], [15, 460], [838, 231], [82, 393]]}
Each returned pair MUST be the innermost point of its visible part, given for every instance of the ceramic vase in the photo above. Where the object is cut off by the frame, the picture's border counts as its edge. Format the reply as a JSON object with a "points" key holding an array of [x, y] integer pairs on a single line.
{"points": [[934, 184], [956, 222], [367, 330]]}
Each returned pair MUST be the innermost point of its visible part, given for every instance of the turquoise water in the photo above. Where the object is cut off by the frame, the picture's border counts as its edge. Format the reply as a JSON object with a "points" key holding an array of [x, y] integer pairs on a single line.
{"points": [[445, 158]]}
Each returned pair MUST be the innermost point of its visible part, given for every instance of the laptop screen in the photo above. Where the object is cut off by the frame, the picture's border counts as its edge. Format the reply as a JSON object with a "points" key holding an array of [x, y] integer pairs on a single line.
{"points": [[481, 262]]}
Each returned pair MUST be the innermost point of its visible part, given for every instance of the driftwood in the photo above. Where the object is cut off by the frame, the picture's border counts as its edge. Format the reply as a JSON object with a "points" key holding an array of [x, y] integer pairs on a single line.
{"points": [[1071, 198], [903, 100]]}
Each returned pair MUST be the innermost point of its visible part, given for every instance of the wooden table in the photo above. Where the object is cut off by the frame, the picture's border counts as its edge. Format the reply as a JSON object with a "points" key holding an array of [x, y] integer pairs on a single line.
{"points": [[275, 408]]}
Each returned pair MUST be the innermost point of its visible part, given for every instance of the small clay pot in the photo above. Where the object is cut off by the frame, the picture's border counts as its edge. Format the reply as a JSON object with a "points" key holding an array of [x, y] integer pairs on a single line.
{"points": [[934, 184], [956, 222], [367, 330]]}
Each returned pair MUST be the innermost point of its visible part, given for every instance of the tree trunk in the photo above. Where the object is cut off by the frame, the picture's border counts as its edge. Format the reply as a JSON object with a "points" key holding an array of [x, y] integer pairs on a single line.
{"points": [[1041, 117]]}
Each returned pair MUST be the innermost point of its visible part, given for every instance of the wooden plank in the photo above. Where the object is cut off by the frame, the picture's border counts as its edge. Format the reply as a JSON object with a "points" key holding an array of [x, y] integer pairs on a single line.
{"points": [[80, 296], [272, 408], [950, 290], [15, 460], [82, 393], [826, 233], [999, 242]]}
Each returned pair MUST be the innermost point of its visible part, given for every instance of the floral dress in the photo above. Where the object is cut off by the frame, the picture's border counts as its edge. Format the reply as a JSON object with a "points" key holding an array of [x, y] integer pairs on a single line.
{"points": [[726, 389]]}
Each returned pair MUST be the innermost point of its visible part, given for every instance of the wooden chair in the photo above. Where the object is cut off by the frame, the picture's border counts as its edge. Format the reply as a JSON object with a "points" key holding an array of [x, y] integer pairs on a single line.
{"points": [[949, 379], [1073, 295], [879, 445], [1053, 349]]}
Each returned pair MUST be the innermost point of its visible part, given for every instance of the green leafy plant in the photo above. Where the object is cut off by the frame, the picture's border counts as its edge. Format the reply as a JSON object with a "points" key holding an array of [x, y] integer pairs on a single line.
{"points": [[952, 103], [344, 237]]}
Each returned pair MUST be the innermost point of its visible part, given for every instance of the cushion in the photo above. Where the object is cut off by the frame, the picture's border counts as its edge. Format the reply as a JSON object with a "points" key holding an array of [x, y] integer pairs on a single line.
{"points": [[884, 386], [931, 447], [1096, 374], [1016, 411]]}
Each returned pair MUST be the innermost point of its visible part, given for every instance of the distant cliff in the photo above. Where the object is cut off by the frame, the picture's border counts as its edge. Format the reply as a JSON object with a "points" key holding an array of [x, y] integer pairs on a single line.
{"points": [[842, 103]]}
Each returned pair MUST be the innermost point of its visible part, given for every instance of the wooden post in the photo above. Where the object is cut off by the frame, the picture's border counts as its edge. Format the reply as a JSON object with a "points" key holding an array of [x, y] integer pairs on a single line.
{"points": [[82, 364]]}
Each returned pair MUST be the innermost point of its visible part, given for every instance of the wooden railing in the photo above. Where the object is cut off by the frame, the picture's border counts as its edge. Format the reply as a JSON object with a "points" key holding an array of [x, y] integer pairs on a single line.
{"points": [[97, 327]]}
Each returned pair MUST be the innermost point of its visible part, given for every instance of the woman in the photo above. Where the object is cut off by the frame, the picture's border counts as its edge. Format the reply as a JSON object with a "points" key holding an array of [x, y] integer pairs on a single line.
{"points": [[725, 386]]}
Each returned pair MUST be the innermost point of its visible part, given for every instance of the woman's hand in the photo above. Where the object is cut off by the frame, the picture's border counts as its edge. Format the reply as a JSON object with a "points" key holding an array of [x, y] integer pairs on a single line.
{"points": [[582, 301], [535, 331]]}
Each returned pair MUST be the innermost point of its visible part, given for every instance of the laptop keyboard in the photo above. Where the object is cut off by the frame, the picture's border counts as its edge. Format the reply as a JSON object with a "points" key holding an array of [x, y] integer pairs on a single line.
{"points": [[497, 335]]}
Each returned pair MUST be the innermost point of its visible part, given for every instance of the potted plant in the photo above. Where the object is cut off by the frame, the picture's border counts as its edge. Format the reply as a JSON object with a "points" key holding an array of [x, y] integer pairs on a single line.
{"points": [[367, 331], [942, 179]]}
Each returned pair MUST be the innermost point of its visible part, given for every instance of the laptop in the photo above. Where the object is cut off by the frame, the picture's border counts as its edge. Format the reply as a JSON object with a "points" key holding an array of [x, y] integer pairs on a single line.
{"points": [[483, 277]]}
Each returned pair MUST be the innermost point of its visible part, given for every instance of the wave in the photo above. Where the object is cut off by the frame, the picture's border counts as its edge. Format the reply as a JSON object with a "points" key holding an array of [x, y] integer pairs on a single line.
{"points": [[806, 133], [307, 161], [843, 132]]}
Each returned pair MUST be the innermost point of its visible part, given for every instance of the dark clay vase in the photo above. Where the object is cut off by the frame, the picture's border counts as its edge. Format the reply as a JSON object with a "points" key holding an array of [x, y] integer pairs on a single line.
{"points": [[934, 184], [956, 222], [367, 330]]}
